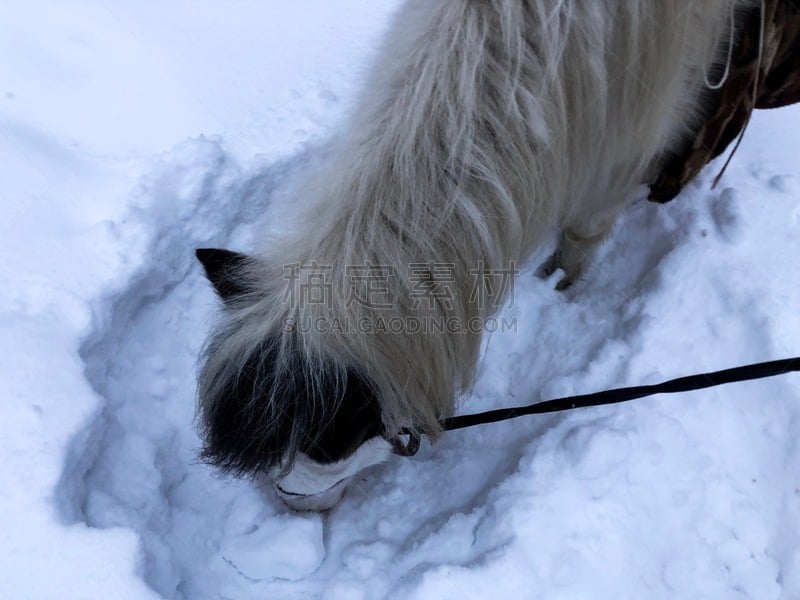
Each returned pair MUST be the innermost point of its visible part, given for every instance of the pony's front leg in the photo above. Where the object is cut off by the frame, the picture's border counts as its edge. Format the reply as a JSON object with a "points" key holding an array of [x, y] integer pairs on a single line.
{"points": [[577, 247]]}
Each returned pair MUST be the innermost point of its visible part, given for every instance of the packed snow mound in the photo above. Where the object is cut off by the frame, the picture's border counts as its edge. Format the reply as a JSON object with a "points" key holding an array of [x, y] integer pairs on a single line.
{"points": [[105, 314]]}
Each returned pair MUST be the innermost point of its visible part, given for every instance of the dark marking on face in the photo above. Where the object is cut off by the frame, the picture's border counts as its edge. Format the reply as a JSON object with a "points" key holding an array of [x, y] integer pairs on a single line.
{"points": [[263, 416], [356, 420]]}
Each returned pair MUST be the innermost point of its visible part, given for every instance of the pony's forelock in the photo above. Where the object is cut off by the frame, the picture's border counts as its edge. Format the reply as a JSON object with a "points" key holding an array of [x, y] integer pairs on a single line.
{"points": [[261, 404]]}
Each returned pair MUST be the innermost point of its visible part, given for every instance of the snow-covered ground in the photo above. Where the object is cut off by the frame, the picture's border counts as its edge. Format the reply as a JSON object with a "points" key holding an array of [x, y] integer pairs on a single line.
{"points": [[133, 131]]}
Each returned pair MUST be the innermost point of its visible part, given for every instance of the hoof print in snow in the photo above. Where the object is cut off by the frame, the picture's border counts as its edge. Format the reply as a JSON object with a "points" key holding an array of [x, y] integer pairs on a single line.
{"points": [[782, 183], [726, 212], [289, 549]]}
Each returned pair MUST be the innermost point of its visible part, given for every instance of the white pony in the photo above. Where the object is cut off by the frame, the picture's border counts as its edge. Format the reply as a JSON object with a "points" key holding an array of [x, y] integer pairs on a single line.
{"points": [[485, 126]]}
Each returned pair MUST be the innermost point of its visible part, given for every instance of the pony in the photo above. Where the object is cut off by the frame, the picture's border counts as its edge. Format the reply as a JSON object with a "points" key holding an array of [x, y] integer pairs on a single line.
{"points": [[485, 130]]}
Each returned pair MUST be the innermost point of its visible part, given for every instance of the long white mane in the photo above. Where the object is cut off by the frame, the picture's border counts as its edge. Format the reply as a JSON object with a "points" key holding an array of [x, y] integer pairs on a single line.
{"points": [[485, 127]]}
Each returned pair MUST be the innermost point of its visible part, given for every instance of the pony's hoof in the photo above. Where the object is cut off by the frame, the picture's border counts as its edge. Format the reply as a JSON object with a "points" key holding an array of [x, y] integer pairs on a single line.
{"points": [[548, 267], [565, 283]]}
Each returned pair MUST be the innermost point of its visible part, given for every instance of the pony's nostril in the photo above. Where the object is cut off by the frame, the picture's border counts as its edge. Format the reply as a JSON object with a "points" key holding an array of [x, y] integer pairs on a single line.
{"points": [[315, 502]]}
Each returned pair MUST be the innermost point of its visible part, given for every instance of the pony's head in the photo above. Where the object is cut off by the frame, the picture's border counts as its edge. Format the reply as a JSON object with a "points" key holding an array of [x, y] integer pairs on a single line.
{"points": [[274, 404]]}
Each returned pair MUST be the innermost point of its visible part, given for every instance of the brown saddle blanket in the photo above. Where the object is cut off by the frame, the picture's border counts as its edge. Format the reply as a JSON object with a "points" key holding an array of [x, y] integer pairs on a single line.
{"points": [[728, 109]]}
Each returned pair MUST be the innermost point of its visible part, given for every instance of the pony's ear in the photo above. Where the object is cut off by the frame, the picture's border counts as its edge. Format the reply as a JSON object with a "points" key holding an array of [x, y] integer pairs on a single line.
{"points": [[224, 270]]}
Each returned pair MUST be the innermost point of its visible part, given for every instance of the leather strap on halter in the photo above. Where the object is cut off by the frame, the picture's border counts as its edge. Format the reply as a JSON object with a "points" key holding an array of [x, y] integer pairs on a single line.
{"points": [[409, 448]]}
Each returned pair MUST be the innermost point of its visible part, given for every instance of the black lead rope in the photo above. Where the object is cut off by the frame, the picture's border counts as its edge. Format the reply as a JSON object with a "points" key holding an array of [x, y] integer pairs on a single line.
{"points": [[673, 386]]}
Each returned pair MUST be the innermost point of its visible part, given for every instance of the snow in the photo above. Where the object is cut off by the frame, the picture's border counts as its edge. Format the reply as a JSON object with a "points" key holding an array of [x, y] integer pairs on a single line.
{"points": [[132, 132]]}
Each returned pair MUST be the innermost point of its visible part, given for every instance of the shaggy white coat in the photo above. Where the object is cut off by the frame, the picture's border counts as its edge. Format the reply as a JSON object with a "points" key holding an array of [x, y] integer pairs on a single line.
{"points": [[484, 127]]}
